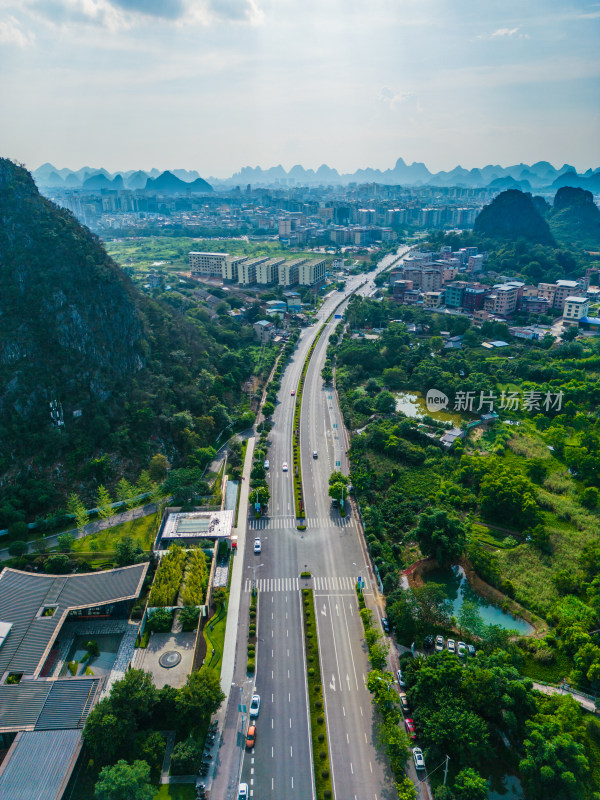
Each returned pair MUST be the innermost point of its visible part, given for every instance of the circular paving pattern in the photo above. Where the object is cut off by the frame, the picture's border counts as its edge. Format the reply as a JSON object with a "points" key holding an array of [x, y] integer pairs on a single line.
{"points": [[169, 659]]}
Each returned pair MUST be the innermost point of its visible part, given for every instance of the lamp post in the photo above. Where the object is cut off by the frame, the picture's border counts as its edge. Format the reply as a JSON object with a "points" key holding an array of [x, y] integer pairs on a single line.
{"points": [[258, 566]]}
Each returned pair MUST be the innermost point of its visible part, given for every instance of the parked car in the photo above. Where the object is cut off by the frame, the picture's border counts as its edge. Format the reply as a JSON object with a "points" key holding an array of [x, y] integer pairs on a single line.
{"points": [[471, 650], [251, 737], [418, 758], [254, 706], [385, 624], [243, 791], [400, 676], [451, 646], [428, 642], [461, 649], [410, 728], [285, 467], [439, 643], [404, 703], [257, 545], [266, 465]]}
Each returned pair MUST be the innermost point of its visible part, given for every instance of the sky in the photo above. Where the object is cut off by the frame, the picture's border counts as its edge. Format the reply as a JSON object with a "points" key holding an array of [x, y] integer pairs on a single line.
{"points": [[215, 85]]}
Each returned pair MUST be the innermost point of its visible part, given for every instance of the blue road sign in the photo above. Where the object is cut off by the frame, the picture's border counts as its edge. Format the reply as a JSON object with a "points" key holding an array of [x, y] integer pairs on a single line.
{"points": [[257, 506]]}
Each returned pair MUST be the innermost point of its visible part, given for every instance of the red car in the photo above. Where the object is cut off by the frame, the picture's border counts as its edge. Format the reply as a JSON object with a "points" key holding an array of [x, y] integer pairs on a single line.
{"points": [[410, 728], [293, 392]]}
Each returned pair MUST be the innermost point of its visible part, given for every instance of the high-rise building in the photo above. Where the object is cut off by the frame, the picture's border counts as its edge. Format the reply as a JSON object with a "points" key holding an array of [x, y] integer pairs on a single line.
{"points": [[267, 272], [288, 272], [312, 272]]}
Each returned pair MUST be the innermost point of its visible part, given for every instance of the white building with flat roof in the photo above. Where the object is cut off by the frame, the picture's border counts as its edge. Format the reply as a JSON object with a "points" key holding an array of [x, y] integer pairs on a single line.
{"points": [[288, 272], [230, 270], [267, 273], [209, 264], [575, 308], [311, 272]]}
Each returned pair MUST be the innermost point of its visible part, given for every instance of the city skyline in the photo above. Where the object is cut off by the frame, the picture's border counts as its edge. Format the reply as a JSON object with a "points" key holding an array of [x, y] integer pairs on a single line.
{"points": [[216, 86]]}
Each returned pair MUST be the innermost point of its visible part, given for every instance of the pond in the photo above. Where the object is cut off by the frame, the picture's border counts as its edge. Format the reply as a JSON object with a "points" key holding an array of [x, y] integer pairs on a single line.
{"points": [[101, 664], [412, 404], [458, 589], [509, 789]]}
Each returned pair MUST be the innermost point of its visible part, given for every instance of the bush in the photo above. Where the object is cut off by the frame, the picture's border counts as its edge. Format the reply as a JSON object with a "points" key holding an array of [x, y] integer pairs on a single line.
{"points": [[320, 720], [321, 737], [324, 774], [186, 757], [160, 621], [18, 548], [322, 755], [251, 666]]}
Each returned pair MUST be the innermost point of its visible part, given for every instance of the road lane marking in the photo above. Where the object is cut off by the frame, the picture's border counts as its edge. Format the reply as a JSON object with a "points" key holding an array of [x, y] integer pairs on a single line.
{"points": [[370, 766], [272, 752], [361, 711], [272, 675], [289, 697], [271, 723], [288, 673], [332, 682], [272, 697], [290, 722], [344, 710], [366, 740], [292, 781], [291, 752], [347, 739], [351, 768]]}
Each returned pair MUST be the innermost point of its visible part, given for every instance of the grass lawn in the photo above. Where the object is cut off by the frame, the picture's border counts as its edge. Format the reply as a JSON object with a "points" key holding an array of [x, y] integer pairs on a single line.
{"points": [[141, 530], [214, 633], [547, 673], [176, 791]]}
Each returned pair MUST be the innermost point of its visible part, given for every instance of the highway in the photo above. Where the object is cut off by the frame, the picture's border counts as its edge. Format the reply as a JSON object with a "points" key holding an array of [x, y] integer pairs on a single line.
{"points": [[280, 764]]}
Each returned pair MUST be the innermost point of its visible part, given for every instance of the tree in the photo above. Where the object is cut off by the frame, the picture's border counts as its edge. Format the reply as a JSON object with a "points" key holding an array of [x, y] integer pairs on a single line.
{"points": [[268, 409], [126, 493], [589, 497], [406, 789], [65, 542], [441, 536], [158, 468], [107, 736], [57, 564], [18, 548], [127, 552], [338, 491], [434, 606], [385, 403], [469, 619], [470, 785], [338, 477], [151, 749], [103, 503], [125, 781], [136, 692], [186, 757], [78, 510], [509, 497], [201, 696]]}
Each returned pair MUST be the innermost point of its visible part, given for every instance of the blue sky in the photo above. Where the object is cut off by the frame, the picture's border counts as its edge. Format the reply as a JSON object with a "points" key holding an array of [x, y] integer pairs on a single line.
{"points": [[215, 85]]}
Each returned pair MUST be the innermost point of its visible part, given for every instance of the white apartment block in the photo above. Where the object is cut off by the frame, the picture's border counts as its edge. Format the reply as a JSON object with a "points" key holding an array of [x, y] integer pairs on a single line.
{"points": [[247, 271], [231, 266], [575, 308], [503, 300], [312, 272], [267, 273], [289, 270], [211, 264]]}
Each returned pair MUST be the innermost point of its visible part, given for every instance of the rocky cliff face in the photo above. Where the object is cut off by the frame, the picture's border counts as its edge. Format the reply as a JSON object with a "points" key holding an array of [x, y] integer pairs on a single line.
{"points": [[69, 326]]}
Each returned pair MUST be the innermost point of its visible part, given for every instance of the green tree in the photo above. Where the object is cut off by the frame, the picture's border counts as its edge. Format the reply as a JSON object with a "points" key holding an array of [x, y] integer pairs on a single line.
{"points": [[268, 409], [589, 497], [107, 736], [338, 477], [126, 493], [338, 491], [469, 619], [104, 503], [509, 497], [125, 781], [470, 785], [441, 536], [127, 552], [385, 403], [434, 606], [151, 749], [18, 548], [136, 692], [78, 510], [201, 696], [58, 564], [65, 542], [158, 468], [186, 757], [406, 789]]}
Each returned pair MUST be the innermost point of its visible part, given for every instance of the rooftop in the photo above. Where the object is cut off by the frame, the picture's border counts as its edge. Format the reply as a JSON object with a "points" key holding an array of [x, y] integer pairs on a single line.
{"points": [[37, 605], [198, 524]]}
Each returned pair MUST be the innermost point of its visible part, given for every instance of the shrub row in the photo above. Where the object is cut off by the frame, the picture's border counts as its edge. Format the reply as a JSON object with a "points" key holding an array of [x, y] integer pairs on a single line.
{"points": [[196, 579], [320, 749], [252, 634], [168, 577]]}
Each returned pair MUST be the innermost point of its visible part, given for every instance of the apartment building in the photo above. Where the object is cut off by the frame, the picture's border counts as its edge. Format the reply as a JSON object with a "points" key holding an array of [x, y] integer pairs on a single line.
{"points": [[474, 297], [207, 264], [267, 272], [312, 272], [433, 299], [247, 271], [454, 294], [431, 280], [230, 268], [535, 305], [566, 289], [575, 308], [288, 272], [413, 273], [503, 299]]}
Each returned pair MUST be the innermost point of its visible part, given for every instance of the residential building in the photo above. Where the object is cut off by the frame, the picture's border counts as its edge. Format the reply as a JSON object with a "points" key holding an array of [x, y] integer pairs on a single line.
{"points": [[454, 294], [207, 264], [474, 297], [288, 272], [503, 299], [276, 307], [312, 272], [264, 330], [413, 273], [433, 299], [267, 272], [399, 289], [475, 263], [535, 305], [247, 271], [566, 289], [547, 291], [230, 268], [431, 280], [293, 302], [575, 308]]}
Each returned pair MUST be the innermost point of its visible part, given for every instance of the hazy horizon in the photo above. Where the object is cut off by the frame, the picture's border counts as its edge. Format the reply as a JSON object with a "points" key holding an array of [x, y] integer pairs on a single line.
{"points": [[229, 83]]}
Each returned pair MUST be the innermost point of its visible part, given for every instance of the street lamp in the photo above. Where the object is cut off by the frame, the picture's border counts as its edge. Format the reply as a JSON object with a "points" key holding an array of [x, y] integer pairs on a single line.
{"points": [[258, 566]]}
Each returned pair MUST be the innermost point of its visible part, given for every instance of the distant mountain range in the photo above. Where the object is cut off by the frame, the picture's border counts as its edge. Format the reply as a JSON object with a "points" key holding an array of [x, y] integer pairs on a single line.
{"points": [[535, 177]]}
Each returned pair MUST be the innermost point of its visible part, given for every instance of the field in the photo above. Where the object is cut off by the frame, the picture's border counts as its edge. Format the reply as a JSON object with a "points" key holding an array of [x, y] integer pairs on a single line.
{"points": [[181, 791], [142, 531]]}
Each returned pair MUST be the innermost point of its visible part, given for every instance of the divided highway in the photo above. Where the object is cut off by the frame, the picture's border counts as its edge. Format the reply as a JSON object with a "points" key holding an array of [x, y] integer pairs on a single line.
{"points": [[280, 764]]}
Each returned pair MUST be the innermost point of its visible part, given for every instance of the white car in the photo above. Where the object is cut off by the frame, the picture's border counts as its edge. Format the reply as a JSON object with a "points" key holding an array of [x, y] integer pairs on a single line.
{"points": [[400, 677], [243, 792], [254, 706], [451, 646], [285, 467], [461, 649], [418, 758], [266, 463], [439, 643], [257, 545]]}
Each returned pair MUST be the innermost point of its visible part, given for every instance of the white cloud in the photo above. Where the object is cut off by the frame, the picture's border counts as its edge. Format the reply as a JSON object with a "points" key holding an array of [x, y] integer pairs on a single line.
{"points": [[504, 33], [11, 33], [393, 99]]}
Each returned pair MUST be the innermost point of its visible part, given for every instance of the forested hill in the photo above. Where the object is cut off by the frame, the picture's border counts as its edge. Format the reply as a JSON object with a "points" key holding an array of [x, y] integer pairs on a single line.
{"points": [[130, 375], [511, 215]]}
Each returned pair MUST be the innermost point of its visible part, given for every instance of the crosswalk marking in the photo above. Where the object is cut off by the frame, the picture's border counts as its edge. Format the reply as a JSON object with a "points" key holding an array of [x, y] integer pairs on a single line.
{"points": [[334, 583], [289, 523]]}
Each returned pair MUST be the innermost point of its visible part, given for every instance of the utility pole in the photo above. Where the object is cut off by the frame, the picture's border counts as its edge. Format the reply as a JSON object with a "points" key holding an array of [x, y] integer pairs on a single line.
{"points": [[446, 769]]}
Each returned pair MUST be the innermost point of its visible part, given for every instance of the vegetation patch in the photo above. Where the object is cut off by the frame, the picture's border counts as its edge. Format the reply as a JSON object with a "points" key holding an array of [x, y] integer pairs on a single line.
{"points": [[169, 575]]}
